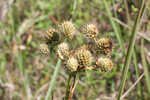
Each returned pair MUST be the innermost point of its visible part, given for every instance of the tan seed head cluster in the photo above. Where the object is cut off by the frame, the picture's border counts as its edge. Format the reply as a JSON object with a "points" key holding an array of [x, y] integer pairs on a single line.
{"points": [[105, 64], [104, 45], [49, 34], [44, 49], [90, 30], [72, 64], [63, 50], [68, 29], [84, 57]]}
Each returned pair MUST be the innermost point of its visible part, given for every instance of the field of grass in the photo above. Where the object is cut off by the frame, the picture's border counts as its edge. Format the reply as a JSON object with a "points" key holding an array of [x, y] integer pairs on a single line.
{"points": [[26, 74]]}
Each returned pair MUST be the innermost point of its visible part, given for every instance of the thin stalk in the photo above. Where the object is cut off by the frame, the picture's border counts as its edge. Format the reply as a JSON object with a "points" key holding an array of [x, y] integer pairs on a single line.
{"points": [[129, 28], [139, 88], [24, 75], [144, 63], [116, 16], [74, 7], [51, 84], [114, 25], [127, 11], [72, 82], [68, 86], [132, 87], [130, 50]]}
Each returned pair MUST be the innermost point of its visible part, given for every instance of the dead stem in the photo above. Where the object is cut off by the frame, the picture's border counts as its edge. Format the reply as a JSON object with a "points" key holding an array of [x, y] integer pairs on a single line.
{"points": [[72, 82], [75, 81]]}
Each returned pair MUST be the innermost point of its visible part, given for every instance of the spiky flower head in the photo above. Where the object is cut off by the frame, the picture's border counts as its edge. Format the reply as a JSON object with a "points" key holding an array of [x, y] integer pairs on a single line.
{"points": [[68, 29], [72, 64], [44, 49], [63, 50], [90, 30], [84, 57], [49, 34], [105, 64], [104, 45]]}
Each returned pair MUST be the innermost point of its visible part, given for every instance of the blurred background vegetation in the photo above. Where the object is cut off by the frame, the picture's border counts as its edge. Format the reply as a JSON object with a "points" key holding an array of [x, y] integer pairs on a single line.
{"points": [[25, 73]]}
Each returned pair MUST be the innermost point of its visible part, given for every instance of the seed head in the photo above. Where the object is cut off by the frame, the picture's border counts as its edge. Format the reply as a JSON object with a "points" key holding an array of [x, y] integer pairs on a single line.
{"points": [[68, 29], [90, 30], [49, 34], [63, 50], [72, 64], [84, 57], [105, 64], [44, 49], [104, 45]]}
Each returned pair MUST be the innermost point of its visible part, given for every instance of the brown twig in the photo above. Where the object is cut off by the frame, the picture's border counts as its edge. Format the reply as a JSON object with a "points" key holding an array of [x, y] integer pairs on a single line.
{"points": [[130, 89], [75, 81], [68, 87]]}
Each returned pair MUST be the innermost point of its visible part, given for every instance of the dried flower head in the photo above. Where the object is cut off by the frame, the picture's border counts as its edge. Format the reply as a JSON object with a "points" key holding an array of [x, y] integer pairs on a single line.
{"points": [[105, 64], [68, 29], [63, 50], [104, 45], [84, 57], [72, 64], [44, 49], [49, 34], [90, 30]]}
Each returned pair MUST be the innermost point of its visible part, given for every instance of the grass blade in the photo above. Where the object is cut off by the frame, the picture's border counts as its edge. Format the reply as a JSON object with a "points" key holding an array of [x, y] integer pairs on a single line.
{"points": [[127, 11], [114, 25], [51, 85], [24, 75], [130, 50], [147, 79], [139, 88]]}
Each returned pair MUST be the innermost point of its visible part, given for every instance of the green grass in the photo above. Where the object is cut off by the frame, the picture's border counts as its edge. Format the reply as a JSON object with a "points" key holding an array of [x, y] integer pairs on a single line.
{"points": [[52, 82], [114, 25], [145, 66], [139, 88], [130, 50], [33, 76]]}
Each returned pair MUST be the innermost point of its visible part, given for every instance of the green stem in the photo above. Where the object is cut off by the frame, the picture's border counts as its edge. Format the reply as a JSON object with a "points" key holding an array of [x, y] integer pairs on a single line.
{"points": [[145, 66], [75, 81], [130, 50], [68, 86], [72, 82], [51, 84], [127, 11], [114, 25], [139, 88]]}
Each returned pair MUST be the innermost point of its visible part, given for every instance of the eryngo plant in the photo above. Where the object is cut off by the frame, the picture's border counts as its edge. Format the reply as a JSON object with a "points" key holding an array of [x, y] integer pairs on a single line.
{"points": [[76, 58]]}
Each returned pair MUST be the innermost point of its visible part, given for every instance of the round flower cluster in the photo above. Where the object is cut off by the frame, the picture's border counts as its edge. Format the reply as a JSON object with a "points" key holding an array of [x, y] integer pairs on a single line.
{"points": [[75, 57], [104, 45], [84, 57], [67, 29], [90, 30]]}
